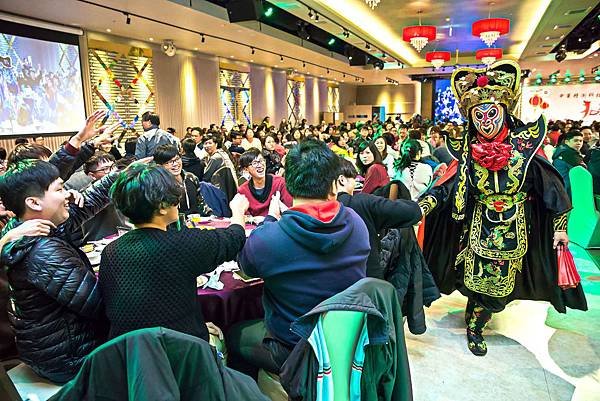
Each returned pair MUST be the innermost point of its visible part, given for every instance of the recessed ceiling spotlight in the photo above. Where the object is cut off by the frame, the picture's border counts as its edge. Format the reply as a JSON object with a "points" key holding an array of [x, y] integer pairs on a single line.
{"points": [[447, 19], [547, 38], [231, 56], [195, 48], [151, 39], [108, 30], [252, 61]]}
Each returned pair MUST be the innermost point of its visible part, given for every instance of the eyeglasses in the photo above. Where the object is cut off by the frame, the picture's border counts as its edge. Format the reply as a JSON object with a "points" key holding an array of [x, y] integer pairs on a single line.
{"points": [[258, 162], [106, 169], [174, 161]]}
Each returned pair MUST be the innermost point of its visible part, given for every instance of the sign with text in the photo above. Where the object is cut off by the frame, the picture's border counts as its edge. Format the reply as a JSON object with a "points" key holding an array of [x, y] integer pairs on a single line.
{"points": [[575, 102]]}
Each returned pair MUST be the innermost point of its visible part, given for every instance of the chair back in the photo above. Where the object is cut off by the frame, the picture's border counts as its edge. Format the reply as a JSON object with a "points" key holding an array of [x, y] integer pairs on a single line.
{"points": [[584, 227], [342, 330]]}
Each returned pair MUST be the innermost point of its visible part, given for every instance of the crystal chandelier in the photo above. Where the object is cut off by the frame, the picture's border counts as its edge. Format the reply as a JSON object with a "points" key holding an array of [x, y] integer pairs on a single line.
{"points": [[372, 3], [419, 35]]}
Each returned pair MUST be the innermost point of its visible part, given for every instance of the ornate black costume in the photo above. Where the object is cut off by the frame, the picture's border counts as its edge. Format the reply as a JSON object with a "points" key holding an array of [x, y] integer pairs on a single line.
{"points": [[497, 210]]}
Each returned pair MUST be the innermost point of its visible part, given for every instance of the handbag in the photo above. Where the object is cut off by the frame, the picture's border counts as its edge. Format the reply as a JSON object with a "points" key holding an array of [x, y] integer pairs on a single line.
{"points": [[568, 277]]}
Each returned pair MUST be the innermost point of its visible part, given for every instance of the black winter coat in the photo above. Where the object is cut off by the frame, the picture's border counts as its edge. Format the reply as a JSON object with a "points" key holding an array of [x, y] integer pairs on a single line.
{"points": [[67, 163], [406, 269], [57, 311]]}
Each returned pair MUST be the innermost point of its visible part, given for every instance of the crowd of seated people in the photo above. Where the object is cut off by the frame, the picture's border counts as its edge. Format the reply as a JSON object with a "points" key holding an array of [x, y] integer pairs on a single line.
{"points": [[319, 236]]}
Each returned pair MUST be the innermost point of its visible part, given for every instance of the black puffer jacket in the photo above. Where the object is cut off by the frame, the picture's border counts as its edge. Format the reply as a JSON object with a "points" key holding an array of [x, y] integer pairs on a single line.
{"points": [[57, 311], [68, 160]]}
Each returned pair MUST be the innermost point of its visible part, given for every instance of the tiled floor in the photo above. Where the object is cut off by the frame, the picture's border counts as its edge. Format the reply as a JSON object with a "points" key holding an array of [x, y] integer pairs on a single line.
{"points": [[535, 353]]}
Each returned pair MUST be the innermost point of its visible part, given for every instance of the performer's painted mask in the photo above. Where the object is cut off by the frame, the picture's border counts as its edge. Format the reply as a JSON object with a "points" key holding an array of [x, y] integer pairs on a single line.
{"points": [[488, 120]]}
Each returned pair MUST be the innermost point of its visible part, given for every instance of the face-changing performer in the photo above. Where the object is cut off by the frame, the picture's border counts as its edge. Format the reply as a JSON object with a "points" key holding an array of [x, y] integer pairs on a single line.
{"points": [[495, 219]]}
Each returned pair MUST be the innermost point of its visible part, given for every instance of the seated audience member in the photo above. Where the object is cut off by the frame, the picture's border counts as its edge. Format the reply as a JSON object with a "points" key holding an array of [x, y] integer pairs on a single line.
{"points": [[129, 156], [305, 255], [112, 150], [594, 168], [414, 174], [191, 202], [148, 276], [272, 157], [340, 147], [58, 310], [3, 161], [369, 164], [388, 155], [261, 187], [191, 162], [377, 212], [105, 223], [250, 141], [441, 150], [566, 156], [220, 170], [236, 143], [19, 141]]}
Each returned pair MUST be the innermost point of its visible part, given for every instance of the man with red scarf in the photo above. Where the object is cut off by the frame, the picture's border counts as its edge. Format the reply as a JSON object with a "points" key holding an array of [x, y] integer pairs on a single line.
{"points": [[503, 206]]}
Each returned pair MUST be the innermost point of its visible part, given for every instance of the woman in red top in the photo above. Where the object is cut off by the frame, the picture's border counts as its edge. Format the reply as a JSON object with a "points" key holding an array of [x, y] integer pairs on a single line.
{"points": [[261, 187], [371, 167]]}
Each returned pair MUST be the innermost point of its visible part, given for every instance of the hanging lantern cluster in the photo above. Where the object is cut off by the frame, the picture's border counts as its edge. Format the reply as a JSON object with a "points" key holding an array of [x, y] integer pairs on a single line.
{"points": [[438, 58], [490, 29], [488, 56], [419, 35]]}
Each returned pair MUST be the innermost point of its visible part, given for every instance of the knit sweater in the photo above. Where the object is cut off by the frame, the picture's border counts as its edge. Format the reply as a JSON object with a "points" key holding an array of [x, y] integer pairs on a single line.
{"points": [[259, 204], [148, 276]]}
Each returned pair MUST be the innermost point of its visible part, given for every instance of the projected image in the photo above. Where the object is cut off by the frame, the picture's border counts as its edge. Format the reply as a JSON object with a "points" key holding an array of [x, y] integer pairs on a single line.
{"points": [[40, 86], [446, 107]]}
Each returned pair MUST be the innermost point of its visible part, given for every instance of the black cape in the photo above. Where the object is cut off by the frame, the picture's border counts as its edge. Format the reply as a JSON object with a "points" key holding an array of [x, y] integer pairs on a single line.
{"points": [[539, 276]]}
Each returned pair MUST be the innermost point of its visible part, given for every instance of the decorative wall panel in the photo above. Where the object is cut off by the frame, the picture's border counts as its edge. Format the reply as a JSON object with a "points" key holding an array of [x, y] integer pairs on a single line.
{"points": [[123, 83], [235, 98], [295, 101], [333, 99]]}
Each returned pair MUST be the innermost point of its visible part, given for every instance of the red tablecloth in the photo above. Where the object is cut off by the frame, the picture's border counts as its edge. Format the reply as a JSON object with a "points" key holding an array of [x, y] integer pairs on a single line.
{"points": [[236, 302]]}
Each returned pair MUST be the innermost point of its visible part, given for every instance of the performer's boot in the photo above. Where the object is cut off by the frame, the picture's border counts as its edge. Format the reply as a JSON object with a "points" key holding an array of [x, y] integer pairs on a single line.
{"points": [[469, 310], [475, 340]]}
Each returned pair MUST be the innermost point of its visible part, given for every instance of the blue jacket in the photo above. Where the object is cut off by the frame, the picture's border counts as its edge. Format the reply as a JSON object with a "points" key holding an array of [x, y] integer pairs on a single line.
{"points": [[303, 261]]}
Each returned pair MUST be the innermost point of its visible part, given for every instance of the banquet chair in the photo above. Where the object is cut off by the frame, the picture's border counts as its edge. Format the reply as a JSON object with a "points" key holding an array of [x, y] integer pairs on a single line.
{"points": [[342, 330], [584, 219], [20, 383]]}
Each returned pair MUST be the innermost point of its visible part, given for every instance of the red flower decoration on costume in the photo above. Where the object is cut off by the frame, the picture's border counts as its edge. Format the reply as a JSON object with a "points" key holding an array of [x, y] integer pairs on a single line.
{"points": [[499, 206], [493, 156], [482, 81]]}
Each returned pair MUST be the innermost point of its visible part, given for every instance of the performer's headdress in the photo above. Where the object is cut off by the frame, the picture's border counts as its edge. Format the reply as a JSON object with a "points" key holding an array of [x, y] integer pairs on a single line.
{"points": [[500, 83]]}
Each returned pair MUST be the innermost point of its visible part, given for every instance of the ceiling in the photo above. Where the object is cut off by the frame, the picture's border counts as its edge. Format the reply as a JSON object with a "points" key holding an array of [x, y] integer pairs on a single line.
{"points": [[532, 35]]}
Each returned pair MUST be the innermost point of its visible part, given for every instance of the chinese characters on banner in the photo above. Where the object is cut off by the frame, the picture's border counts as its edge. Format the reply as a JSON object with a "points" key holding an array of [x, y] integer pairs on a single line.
{"points": [[575, 102]]}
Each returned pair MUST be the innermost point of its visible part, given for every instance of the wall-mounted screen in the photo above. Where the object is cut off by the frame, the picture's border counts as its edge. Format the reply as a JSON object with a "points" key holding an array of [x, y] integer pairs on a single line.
{"points": [[41, 88], [445, 106]]}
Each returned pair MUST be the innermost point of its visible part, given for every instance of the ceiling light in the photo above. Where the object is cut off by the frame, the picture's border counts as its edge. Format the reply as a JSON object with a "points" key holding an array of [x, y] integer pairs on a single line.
{"points": [[328, 70], [128, 18], [367, 46], [253, 50], [231, 56], [547, 38], [269, 12], [151, 39], [349, 57], [304, 64], [316, 17], [331, 42], [447, 19], [108, 30], [310, 14], [252, 61], [561, 54], [195, 48], [280, 58]]}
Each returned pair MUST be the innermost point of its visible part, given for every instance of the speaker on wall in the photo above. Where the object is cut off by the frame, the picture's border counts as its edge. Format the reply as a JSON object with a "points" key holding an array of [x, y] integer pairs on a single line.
{"points": [[244, 10]]}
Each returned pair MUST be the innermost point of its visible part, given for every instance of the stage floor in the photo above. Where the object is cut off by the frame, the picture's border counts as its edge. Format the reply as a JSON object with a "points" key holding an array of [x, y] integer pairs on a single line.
{"points": [[534, 353]]}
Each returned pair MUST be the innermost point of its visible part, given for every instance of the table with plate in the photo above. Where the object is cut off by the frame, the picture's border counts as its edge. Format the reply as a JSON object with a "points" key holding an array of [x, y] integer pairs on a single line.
{"points": [[240, 297], [224, 296]]}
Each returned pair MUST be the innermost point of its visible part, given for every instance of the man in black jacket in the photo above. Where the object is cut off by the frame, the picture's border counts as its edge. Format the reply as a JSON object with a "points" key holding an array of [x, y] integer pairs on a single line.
{"points": [[377, 212], [57, 310]]}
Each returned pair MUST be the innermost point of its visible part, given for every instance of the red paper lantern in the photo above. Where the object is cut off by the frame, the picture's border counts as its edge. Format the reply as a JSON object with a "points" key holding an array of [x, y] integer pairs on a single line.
{"points": [[437, 59], [419, 35], [488, 56], [490, 29]]}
